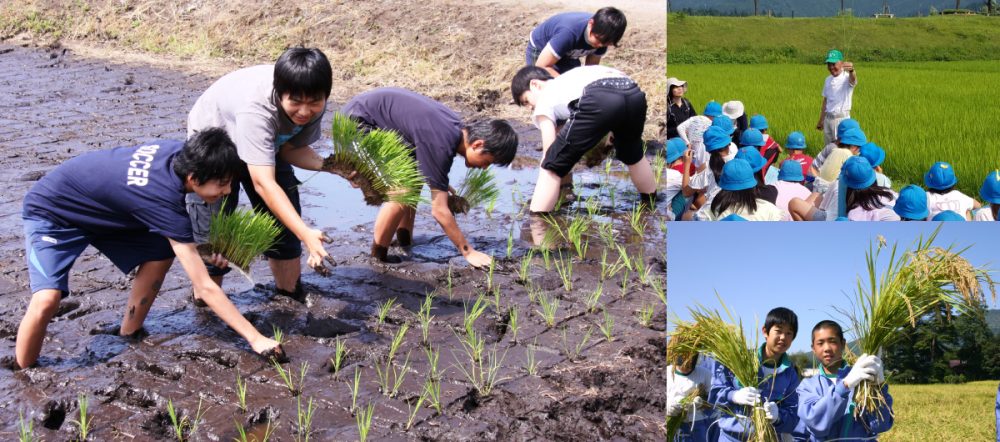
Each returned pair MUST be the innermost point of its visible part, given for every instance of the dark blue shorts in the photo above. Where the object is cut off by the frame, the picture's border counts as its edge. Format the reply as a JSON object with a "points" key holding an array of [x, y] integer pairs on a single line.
{"points": [[51, 250]]}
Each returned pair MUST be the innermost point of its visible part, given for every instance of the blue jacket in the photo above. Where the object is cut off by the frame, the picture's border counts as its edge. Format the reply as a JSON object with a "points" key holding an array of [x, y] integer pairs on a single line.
{"points": [[775, 384], [826, 407], [998, 414]]}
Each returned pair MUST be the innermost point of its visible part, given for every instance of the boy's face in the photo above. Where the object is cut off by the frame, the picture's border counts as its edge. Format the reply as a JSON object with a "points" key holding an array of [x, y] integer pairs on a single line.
{"points": [[476, 156], [302, 110], [835, 68], [778, 339], [530, 97], [211, 190], [594, 40], [827, 346]]}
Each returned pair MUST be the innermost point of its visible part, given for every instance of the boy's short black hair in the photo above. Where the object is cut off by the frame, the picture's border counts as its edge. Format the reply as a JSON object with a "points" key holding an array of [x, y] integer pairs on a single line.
{"points": [[609, 25], [522, 81], [499, 137], [303, 73], [782, 316], [941, 191], [208, 155], [833, 325]]}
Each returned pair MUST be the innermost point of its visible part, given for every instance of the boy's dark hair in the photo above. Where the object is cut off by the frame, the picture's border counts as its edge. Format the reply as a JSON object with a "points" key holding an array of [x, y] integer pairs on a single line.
{"points": [[735, 199], [522, 81], [609, 25], [499, 137], [782, 316], [303, 73], [832, 325], [208, 155], [941, 191], [869, 199]]}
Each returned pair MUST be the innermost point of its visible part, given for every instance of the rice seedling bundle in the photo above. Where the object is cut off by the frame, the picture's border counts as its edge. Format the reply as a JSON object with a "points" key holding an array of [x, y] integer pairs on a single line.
{"points": [[477, 188], [386, 169], [240, 236], [915, 283]]}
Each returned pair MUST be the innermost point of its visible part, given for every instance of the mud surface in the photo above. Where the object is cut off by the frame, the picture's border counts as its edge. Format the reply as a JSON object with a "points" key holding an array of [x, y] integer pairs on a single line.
{"points": [[54, 106]]}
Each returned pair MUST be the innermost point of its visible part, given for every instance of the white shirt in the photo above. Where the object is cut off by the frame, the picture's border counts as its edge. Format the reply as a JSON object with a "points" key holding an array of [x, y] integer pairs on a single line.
{"points": [[691, 131], [765, 212], [786, 191], [679, 386], [955, 201], [984, 214], [553, 102], [838, 91], [885, 213], [674, 181]]}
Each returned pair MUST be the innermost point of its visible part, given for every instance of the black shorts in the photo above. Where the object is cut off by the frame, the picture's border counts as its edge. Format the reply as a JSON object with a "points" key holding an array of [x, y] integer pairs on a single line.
{"points": [[615, 105]]}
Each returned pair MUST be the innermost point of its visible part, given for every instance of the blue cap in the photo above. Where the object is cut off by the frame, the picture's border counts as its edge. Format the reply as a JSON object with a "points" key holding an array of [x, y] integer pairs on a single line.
{"points": [[733, 217], [758, 122], [842, 218], [948, 215], [737, 175], [857, 173], [791, 170], [941, 176], [725, 123], [912, 203], [853, 137], [991, 188], [715, 138], [713, 109], [874, 154], [846, 123], [675, 149], [751, 137], [796, 141], [752, 157]]}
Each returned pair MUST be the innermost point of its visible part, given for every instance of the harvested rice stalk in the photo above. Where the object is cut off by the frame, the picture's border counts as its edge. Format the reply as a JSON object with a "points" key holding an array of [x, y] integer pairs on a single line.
{"points": [[477, 188], [386, 169], [240, 237], [674, 422]]}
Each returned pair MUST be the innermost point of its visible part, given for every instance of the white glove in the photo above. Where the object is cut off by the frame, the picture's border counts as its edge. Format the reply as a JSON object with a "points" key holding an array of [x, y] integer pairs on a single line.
{"points": [[879, 370], [771, 411], [863, 370], [746, 396], [697, 402], [674, 409]]}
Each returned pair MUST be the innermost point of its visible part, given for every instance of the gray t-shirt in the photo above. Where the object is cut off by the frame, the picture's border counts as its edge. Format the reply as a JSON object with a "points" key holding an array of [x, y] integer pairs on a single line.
{"points": [[242, 102]]}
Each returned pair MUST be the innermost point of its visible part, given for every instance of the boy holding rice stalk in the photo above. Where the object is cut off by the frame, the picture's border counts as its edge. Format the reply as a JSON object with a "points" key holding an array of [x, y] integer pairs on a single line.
{"points": [[826, 401], [128, 203], [437, 135], [689, 379]]}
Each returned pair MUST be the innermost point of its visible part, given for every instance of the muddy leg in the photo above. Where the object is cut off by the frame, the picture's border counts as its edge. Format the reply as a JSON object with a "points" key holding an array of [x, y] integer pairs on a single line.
{"points": [[642, 176], [43, 306], [145, 287], [286, 273], [404, 233]]}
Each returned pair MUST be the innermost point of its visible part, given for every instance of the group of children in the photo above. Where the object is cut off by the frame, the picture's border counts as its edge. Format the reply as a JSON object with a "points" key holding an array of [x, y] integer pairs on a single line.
{"points": [[816, 408], [738, 172], [142, 206]]}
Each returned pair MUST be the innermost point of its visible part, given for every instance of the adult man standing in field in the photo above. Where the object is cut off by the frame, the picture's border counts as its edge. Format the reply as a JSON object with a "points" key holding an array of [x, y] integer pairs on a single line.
{"points": [[837, 92]]}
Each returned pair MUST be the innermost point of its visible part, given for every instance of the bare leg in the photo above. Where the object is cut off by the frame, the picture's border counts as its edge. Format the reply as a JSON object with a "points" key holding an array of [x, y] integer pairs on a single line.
{"points": [[642, 176], [31, 333], [801, 210], [146, 286], [404, 233], [546, 191], [389, 217], [286, 273]]}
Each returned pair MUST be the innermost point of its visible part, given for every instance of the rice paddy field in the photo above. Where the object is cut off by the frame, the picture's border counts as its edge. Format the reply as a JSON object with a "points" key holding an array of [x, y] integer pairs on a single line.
{"points": [[920, 410], [919, 112]]}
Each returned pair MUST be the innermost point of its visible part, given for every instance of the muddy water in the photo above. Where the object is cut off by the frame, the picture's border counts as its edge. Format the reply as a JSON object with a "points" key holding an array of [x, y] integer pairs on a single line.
{"points": [[611, 390]]}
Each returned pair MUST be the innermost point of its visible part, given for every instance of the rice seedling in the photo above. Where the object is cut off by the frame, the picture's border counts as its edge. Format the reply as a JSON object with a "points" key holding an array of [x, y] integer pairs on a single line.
{"points": [[397, 340], [432, 361], [489, 273], [473, 343], [339, 353], [354, 389], [659, 164], [288, 377], [244, 437], [645, 314], [364, 420], [549, 307], [547, 258], [659, 289], [304, 417], [574, 234], [384, 165], [512, 323], [624, 285], [606, 231], [637, 220], [594, 298], [572, 351], [624, 258], [432, 390], [241, 236], [477, 188], [533, 293], [471, 315], [915, 282], [593, 205], [241, 392], [184, 427], [450, 282], [564, 267], [530, 363], [383, 311], [424, 317], [25, 429], [415, 409], [483, 374], [277, 334], [510, 241], [642, 270], [608, 327], [83, 423], [390, 379], [525, 270], [491, 205]]}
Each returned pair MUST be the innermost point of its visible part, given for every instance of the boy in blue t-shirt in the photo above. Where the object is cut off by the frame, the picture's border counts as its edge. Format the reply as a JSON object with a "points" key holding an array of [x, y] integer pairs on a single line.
{"points": [[558, 43], [128, 203]]}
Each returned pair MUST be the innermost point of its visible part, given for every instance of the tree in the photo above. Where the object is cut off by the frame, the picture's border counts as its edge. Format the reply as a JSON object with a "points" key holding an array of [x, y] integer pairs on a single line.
{"points": [[756, 3]]}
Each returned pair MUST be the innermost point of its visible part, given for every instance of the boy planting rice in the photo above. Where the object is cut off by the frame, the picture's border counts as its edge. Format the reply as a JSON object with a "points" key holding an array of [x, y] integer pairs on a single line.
{"points": [[558, 43], [128, 203], [825, 400]]}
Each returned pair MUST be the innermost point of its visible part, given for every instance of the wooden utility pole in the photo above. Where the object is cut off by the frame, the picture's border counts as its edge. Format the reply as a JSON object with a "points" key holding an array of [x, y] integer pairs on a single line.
{"points": [[756, 3]]}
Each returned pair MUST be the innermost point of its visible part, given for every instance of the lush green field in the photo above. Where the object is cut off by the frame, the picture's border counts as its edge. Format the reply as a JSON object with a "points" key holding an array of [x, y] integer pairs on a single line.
{"points": [[923, 410], [918, 112], [692, 39]]}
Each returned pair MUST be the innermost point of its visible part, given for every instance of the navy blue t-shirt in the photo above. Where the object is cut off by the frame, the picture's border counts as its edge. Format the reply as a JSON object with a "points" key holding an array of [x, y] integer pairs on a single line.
{"points": [[111, 192], [566, 33], [430, 127]]}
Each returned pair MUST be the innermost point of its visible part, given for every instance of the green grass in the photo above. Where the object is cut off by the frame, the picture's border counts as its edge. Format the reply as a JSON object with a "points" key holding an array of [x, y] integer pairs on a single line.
{"points": [[919, 113], [942, 412]]}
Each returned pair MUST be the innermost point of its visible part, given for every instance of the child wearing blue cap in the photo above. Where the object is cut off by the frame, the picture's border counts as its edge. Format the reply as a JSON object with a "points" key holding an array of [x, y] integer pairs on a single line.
{"points": [[876, 156], [848, 145], [678, 187], [688, 374], [866, 201], [738, 195], [719, 147], [843, 126], [771, 149], [765, 191], [948, 215], [942, 195], [790, 185], [911, 205], [796, 145], [693, 129], [990, 191]]}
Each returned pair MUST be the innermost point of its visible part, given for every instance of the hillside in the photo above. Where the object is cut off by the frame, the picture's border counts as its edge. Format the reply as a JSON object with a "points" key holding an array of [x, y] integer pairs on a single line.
{"points": [[798, 8], [699, 40]]}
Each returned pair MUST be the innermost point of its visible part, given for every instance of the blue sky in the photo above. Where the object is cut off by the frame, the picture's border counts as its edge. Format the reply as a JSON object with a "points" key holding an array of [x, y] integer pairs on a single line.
{"points": [[807, 267]]}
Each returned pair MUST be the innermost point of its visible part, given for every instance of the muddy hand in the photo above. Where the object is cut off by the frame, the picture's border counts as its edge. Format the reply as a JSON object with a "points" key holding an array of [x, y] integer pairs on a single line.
{"points": [[269, 348], [219, 261], [478, 259]]}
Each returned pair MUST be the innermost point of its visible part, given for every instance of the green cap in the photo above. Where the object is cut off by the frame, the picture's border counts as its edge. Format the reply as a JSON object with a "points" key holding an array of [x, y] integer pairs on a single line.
{"points": [[834, 56]]}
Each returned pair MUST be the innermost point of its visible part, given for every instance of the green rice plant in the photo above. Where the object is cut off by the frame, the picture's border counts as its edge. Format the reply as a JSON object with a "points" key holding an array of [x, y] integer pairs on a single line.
{"points": [[659, 289], [491, 205], [354, 389], [606, 267], [483, 374], [547, 258], [510, 241], [241, 392], [530, 363], [496, 298], [915, 283], [623, 256], [339, 353], [606, 231], [549, 306], [383, 311], [593, 205], [642, 270], [473, 343], [241, 236], [471, 315], [533, 293], [489, 273], [524, 273], [386, 169], [512, 323], [637, 220], [450, 282], [594, 298], [304, 417], [364, 420], [25, 429], [659, 164], [390, 379], [645, 314], [415, 409], [289, 378], [572, 351], [432, 361], [424, 317], [575, 232], [83, 423], [397, 340], [624, 285], [432, 390], [244, 437], [184, 427], [477, 188], [564, 267], [608, 327], [278, 335]]}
